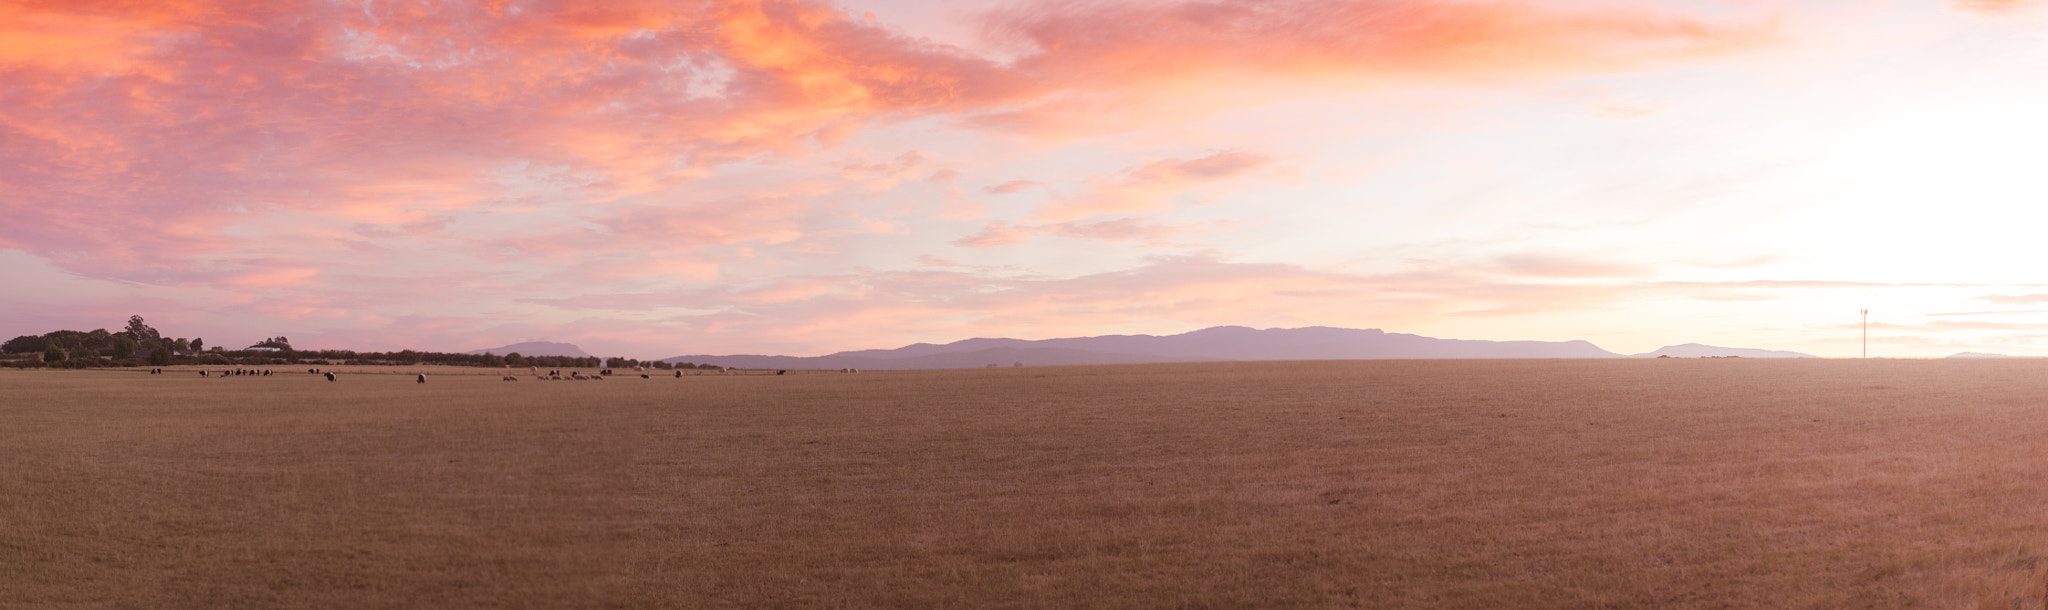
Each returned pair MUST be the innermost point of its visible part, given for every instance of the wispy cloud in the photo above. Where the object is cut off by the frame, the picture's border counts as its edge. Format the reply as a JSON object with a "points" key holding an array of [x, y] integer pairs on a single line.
{"points": [[1993, 6], [1152, 187], [1012, 187], [1116, 230], [1561, 266]]}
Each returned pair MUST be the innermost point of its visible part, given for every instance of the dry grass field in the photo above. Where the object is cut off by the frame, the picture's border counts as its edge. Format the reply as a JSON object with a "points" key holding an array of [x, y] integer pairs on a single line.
{"points": [[1480, 484]]}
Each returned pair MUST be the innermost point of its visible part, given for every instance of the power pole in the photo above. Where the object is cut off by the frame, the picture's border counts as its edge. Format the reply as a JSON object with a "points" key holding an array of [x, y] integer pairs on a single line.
{"points": [[1866, 333]]}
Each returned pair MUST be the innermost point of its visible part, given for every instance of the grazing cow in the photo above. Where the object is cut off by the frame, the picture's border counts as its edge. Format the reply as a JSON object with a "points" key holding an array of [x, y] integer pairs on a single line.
{"points": [[330, 376], [679, 374], [643, 375], [423, 378], [781, 372]]}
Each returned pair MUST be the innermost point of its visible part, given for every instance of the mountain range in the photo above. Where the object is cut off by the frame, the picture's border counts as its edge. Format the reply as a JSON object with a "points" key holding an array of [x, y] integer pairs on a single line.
{"points": [[1221, 343], [536, 348]]}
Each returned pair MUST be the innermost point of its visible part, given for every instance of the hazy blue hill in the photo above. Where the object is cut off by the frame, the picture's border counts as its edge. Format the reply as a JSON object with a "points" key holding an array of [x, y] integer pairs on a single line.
{"points": [[1695, 350], [1000, 356], [1220, 343], [536, 348]]}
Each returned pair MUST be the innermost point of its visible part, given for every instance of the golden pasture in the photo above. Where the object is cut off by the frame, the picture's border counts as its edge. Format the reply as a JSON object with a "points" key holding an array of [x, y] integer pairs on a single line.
{"points": [[1533, 483]]}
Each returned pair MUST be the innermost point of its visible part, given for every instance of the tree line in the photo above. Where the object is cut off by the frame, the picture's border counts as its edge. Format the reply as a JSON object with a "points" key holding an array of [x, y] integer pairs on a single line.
{"points": [[140, 345], [137, 343]]}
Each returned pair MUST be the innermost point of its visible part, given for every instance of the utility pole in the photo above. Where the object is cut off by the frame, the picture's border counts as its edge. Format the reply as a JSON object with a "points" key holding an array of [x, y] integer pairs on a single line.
{"points": [[1866, 333]]}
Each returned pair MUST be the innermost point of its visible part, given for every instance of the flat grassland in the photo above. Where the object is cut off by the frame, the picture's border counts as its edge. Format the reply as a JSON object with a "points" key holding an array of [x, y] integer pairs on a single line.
{"points": [[1530, 483]]}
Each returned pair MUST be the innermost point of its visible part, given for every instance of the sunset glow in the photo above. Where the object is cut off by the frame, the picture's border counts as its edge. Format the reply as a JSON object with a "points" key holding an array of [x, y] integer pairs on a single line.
{"points": [[647, 178]]}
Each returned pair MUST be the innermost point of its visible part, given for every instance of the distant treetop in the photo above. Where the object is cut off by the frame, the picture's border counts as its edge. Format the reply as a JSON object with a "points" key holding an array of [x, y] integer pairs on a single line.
{"points": [[278, 342]]}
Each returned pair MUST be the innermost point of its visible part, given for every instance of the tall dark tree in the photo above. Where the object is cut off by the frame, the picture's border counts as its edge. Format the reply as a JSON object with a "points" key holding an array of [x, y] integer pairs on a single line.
{"points": [[198, 344], [142, 333]]}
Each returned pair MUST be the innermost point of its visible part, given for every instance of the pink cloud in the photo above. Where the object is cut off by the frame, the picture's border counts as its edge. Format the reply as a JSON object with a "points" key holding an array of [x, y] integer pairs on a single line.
{"points": [[1624, 111], [419, 228], [1152, 186], [994, 235], [1144, 62], [1012, 186], [1560, 266], [123, 119], [2014, 299], [1217, 166], [1993, 6], [1116, 229], [320, 162], [860, 168]]}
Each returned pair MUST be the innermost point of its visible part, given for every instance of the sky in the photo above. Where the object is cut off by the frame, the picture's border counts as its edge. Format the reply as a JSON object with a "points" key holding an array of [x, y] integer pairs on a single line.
{"points": [[649, 178]]}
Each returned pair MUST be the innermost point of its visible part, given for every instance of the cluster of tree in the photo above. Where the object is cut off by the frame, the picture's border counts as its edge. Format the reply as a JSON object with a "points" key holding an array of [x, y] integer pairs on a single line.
{"points": [[448, 359], [138, 344], [138, 341], [277, 342], [626, 363]]}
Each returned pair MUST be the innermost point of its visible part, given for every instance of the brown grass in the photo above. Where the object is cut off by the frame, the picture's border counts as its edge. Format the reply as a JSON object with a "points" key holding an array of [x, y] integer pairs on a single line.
{"points": [[1640, 483]]}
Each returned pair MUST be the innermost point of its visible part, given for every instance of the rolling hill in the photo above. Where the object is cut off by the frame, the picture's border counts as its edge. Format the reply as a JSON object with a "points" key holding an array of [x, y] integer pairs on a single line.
{"points": [[536, 348], [1222, 343]]}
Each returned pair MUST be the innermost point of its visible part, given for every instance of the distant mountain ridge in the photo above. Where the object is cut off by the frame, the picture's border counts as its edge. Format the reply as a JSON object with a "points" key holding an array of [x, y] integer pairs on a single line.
{"points": [[1221, 343], [1695, 350], [536, 348]]}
